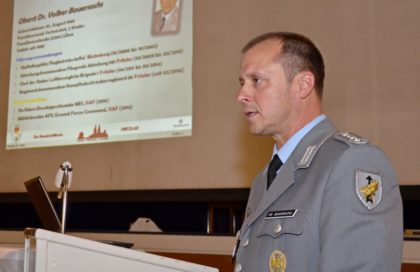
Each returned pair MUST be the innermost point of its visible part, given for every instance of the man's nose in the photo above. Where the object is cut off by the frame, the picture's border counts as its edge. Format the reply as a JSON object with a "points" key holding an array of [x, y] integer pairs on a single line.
{"points": [[243, 94]]}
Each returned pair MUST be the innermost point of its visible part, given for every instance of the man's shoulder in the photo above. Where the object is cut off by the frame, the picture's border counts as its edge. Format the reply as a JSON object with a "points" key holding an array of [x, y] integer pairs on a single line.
{"points": [[354, 149], [354, 144], [158, 13], [351, 143], [332, 147]]}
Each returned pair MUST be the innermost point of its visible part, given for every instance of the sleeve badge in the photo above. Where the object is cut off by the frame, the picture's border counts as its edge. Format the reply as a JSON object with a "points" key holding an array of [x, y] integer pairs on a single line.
{"points": [[369, 189]]}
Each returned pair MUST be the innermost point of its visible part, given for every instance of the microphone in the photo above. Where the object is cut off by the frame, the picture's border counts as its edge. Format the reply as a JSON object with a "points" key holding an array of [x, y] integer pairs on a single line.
{"points": [[63, 178]]}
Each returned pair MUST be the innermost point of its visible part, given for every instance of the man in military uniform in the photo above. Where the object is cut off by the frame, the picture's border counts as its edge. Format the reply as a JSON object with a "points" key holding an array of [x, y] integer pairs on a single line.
{"points": [[328, 201], [166, 20]]}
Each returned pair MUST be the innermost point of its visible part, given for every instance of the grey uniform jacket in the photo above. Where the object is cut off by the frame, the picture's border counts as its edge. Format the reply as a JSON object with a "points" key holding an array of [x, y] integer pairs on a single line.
{"points": [[334, 206]]}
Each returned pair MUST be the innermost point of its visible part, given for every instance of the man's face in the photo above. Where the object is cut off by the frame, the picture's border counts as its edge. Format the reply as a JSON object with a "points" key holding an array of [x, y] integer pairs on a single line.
{"points": [[167, 5], [265, 94]]}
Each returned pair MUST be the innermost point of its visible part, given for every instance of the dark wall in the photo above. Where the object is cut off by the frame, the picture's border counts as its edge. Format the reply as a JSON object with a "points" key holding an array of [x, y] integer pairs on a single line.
{"points": [[174, 211], [213, 211]]}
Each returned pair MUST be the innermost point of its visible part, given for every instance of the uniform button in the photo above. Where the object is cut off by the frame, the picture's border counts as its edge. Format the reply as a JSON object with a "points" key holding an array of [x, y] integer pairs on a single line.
{"points": [[238, 267], [277, 228], [245, 243]]}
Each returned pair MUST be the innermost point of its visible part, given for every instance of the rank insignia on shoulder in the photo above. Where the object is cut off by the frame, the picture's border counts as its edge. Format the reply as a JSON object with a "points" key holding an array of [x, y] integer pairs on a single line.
{"points": [[368, 189], [277, 261], [350, 137]]}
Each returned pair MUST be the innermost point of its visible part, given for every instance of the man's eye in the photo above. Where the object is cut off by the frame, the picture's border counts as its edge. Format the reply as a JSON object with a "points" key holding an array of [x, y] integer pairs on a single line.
{"points": [[256, 80]]}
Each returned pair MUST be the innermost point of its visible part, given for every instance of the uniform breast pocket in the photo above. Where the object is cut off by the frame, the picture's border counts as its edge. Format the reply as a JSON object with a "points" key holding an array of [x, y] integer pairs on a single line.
{"points": [[276, 227]]}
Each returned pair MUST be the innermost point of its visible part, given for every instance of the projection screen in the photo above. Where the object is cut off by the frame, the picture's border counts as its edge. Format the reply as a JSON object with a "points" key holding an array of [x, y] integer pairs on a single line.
{"points": [[88, 72]]}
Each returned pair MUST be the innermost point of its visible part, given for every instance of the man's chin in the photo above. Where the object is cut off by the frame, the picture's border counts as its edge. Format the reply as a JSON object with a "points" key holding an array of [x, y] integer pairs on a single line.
{"points": [[255, 130]]}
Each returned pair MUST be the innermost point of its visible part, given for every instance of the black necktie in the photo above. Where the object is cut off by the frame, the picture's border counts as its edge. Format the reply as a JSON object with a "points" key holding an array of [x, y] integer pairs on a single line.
{"points": [[162, 23], [274, 166]]}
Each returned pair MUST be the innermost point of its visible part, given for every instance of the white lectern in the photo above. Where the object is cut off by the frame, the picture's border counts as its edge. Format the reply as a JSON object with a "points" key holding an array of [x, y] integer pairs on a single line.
{"points": [[65, 253]]}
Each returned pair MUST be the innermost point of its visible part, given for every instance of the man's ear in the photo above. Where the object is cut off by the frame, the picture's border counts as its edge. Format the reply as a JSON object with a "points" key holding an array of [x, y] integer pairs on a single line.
{"points": [[305, 84]]}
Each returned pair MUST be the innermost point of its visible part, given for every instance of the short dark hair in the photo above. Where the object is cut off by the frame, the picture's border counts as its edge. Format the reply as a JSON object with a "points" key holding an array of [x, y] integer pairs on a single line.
{"points": [[297, 53]]}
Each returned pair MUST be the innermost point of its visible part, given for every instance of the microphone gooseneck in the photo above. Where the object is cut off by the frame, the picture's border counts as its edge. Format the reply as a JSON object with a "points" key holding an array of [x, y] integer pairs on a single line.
{"points": [[63, 181]]}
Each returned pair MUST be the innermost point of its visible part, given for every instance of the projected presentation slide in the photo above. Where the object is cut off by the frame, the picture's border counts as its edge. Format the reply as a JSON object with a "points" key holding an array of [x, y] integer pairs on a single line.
{"points": [[99, 71]]}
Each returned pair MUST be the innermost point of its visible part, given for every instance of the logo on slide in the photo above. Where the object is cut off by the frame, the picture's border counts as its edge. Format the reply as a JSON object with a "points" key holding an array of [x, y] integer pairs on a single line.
{"points": [[97, 134], [16, 132]]}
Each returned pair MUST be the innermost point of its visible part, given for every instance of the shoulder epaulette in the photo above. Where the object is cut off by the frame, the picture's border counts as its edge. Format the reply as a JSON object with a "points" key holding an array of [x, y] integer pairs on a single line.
{"points": [[350, 138]]}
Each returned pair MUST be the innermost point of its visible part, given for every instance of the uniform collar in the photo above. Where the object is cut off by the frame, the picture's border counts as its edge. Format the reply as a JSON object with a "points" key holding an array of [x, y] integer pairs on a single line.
{"points": [[287, 149]]}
